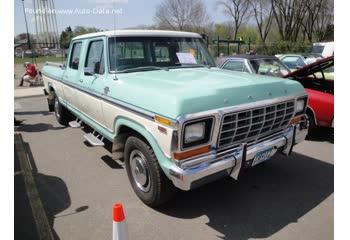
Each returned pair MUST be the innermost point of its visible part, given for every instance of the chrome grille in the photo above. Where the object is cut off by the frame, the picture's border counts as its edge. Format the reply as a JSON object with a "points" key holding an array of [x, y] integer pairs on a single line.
{"points": [[250, 124]]}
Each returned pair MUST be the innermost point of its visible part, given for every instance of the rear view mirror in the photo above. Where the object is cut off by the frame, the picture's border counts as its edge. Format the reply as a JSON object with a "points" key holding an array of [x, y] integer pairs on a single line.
{"points": [[89, 71]]}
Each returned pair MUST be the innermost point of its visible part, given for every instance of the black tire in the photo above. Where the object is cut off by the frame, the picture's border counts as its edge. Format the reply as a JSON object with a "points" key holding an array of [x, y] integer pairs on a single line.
{"points": [[62, 114], [157, 188], [312, 125]]}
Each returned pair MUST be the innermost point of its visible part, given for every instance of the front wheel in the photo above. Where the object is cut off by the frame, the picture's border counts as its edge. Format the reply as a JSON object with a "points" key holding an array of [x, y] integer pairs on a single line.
{"points": [[310, 117], [62, 114], [145, 175]]}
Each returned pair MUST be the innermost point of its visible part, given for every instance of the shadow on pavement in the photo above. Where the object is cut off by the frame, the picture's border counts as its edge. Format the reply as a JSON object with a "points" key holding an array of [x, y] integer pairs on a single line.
{"points": [[38, 127], [53, 194], [265, 199], [322, 134]]}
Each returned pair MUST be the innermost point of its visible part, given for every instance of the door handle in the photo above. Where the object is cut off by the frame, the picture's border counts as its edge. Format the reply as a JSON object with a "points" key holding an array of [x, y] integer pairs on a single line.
{"points": [[81, 80], [65, 76]]}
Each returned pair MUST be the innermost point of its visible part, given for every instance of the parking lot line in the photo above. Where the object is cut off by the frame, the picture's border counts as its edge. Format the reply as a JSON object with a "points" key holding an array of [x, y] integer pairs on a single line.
{"points": [[39, 215]]}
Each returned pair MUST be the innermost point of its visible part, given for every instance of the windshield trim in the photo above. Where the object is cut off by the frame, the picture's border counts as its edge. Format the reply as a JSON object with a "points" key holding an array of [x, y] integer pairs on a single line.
{"points": [[171, 67]]}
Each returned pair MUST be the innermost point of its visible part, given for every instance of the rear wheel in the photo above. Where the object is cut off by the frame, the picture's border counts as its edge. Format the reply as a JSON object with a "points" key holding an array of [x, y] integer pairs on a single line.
{"points": [[145, 175], [62, 114]]}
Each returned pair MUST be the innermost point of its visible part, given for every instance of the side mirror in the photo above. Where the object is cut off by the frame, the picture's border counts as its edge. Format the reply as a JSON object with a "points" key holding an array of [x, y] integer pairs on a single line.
{"points": [[89, 71]]}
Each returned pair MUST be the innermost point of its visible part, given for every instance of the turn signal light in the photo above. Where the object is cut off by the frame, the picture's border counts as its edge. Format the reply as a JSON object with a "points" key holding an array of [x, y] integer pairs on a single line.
{"points": [[295, 120], [164, 121], [191, 153]]}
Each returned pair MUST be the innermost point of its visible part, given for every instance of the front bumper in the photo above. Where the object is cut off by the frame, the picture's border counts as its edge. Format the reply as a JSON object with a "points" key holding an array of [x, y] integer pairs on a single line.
{"points": [[212, 166]]}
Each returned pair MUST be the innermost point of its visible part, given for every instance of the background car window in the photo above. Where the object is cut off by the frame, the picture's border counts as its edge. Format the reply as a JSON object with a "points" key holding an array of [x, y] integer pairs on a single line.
{"points": [[293, 62], [75, 56], [95, 58], [270, 67], [236, 66]]}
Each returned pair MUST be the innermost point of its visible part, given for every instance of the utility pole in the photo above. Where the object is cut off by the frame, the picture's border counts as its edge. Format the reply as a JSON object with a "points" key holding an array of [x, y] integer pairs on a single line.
{"points": [[28, 39]]}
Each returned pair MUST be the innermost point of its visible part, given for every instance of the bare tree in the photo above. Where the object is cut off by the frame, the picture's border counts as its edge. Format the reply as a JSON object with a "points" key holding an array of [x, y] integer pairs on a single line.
{"points": [[325, 20], [263, 14], [181, 14], [289, 16], [236, 9], [312, 14]]}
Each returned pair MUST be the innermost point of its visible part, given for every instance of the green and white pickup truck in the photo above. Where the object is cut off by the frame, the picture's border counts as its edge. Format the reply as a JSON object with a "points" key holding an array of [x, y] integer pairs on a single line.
{"points": [[175, 119]]}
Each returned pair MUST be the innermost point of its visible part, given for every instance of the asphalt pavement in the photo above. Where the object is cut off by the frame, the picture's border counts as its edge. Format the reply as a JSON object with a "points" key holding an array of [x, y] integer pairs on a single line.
{"points": [[286, 198]]}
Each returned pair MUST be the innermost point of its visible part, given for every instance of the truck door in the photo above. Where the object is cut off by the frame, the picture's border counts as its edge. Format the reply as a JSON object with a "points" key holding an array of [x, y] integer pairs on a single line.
{"points": [[92, 79], [71, 75]]}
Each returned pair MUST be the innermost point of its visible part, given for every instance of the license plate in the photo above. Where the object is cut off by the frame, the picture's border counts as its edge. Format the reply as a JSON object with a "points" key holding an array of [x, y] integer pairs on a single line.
{"points": [[263, 156]]}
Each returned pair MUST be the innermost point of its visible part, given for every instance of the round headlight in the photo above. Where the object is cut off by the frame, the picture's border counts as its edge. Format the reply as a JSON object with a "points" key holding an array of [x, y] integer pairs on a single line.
{"points": [[194, 132], [300, 105]]}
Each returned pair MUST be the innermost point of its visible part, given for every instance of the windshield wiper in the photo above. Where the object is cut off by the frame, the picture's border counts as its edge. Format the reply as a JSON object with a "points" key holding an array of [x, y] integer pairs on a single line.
{"points": [[136, 69], [189, 65]]}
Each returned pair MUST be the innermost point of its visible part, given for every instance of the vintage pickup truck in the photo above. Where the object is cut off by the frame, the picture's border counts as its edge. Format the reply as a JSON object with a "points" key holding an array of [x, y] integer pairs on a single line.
{"points": [[175, 119]]}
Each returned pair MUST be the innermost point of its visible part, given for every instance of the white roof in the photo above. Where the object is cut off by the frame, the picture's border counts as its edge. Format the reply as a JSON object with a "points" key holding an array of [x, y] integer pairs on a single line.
{"points": [[140, 33]]}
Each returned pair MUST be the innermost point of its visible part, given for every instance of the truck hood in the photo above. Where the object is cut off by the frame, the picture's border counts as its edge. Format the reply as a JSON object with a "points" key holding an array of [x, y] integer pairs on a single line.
{"points": [[183, 91]]}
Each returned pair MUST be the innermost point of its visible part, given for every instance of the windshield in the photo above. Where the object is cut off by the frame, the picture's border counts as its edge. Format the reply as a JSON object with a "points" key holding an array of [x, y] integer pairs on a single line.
{"points": [[147, 52], [317, 49], [270, 67]]}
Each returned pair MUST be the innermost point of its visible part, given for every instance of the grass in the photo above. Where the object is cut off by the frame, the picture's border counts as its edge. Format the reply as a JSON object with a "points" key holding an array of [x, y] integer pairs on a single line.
{"points": [[40, 59]]}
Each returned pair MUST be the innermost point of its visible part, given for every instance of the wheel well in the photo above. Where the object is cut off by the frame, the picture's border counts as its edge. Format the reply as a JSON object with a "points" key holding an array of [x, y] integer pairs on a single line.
{"points": [[311, 112], [120, 140]]}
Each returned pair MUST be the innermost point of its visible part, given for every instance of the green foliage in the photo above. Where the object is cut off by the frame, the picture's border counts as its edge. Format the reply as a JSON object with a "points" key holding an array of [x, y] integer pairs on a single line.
{"points": [[248, 32], [68, 34], [222, 30], [281, 47], [80, 30], [66, 37]]}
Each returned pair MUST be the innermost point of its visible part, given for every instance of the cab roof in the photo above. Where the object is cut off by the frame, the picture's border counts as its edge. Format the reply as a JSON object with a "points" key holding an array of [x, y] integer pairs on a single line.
{"points": [[140, 33]]}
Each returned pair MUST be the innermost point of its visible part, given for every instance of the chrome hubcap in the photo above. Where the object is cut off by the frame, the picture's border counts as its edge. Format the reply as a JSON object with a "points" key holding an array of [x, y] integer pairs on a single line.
{"points": [[139, 170], [57, 108]]}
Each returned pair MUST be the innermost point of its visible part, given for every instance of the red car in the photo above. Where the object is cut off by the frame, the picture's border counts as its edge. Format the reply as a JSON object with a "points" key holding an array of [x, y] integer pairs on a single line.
{"points": [[313, 77]]}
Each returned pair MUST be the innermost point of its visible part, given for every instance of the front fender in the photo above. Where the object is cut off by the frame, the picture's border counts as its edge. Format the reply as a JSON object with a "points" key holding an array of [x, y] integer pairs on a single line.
{"points": [[165, 162]]}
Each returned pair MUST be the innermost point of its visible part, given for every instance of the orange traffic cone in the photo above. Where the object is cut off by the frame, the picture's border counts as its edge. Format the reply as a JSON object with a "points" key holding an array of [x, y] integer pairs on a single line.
{"points": [[120, 228]]}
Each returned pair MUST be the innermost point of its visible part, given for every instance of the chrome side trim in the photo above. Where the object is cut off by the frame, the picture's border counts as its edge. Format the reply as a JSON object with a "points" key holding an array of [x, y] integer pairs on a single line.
{"points": [[313, 112], [113, 101], [55, 64]]}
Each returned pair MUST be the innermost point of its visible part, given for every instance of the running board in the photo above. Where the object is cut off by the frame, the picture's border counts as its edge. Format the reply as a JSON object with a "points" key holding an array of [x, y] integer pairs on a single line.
{"points": [[75, 124], [94, 140]]}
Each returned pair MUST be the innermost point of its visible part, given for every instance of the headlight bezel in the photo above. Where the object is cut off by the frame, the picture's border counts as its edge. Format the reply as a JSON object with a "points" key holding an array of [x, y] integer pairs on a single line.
{"points": [[208, 130], [301, 112]]}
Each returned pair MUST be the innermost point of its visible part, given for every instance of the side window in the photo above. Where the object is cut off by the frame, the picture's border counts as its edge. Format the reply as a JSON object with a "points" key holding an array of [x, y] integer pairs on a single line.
{"points": [[238, 66], [75, 56], [293, 62], [95, 58]]}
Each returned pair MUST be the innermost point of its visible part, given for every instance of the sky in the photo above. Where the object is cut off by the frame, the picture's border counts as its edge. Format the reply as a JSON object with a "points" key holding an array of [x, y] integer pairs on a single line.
{"points": [[134, 13]]}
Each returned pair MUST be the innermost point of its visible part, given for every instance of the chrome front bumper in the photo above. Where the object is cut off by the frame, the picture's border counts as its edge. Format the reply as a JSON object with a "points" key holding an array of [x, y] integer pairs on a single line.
{"points": [[212, 166]]}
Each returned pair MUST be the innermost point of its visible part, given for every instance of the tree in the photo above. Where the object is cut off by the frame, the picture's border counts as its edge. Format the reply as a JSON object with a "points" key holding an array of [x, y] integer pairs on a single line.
{"points": [[80, 30], [236, 9], [223, 30], [324, 26], [313, 11], [181, 15], [263, 14], [289, 16], [66, 37]]}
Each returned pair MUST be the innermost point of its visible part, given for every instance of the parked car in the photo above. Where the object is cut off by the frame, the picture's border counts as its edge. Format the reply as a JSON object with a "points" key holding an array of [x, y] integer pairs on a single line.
{"points": [[326, 49], [296, 61], [257, 64], [173, 118], [30, 53], [320, 111]]}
